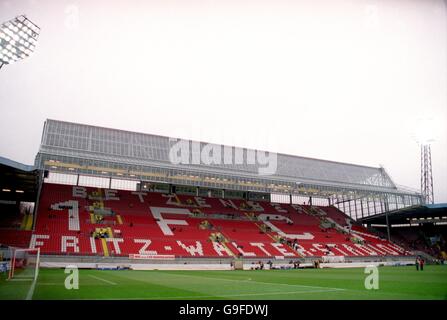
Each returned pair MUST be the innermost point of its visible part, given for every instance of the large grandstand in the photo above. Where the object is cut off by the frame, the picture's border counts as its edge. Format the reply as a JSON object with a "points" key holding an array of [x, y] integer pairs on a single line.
{"points": [[104, 198]]}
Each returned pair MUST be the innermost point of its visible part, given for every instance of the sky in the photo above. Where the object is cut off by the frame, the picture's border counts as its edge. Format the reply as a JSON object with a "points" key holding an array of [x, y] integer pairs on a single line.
{"points": [[350, 81]]}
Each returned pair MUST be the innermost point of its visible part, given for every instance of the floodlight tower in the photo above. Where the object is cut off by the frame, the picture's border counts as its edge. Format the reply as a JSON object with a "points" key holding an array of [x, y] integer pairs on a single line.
{"points": [[425, 132], [426, 174], [18, 38]]}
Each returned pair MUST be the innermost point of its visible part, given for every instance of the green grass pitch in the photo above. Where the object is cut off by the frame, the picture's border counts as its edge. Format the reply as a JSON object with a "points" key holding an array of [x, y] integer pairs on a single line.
{"points": [[337, 284]]}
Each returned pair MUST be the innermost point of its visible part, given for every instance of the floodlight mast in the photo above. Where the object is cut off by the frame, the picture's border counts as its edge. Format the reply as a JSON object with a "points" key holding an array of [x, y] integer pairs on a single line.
{"points": [[425, 133], [18, 39], [426, 174]]}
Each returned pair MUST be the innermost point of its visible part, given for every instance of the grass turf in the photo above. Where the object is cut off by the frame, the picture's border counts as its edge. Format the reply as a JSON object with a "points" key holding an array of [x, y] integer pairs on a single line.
{"points": [[336, 284]]}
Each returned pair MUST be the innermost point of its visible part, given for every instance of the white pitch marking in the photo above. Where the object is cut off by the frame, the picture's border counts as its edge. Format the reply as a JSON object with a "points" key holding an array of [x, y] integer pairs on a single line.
{"points": [[101, 279], [15, 279], [227, 295], [29, 296], [260, 282]]}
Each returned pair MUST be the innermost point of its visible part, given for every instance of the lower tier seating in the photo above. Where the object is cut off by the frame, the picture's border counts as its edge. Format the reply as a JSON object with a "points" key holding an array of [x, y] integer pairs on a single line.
{"points": [[89, 221], [15, 238]]}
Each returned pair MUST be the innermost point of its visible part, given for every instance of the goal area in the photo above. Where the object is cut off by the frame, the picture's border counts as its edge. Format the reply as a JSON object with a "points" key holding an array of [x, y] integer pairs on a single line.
{"points": [[24, 264]]}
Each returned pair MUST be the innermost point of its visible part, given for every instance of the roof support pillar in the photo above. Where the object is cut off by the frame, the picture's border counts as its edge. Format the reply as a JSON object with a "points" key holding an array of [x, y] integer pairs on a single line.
{"points": [[350, 210], [387, 226], [361, 207]]}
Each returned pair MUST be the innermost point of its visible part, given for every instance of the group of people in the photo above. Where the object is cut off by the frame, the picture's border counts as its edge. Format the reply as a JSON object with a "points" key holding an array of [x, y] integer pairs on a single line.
{"points": [[420, 263], [101, 233], [257, 266]]}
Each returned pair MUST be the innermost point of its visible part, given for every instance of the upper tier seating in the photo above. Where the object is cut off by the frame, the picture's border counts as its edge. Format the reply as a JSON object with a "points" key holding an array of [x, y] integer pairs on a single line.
{"points": [[142, 224]]}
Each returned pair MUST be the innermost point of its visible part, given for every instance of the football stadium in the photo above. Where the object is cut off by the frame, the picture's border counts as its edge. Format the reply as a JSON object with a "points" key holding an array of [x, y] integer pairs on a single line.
{"points": [[221, 159], [116, 207]]}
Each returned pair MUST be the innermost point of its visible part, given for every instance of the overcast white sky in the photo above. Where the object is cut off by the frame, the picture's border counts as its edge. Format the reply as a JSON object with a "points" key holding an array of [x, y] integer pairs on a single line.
{"points": [[338, 80]]}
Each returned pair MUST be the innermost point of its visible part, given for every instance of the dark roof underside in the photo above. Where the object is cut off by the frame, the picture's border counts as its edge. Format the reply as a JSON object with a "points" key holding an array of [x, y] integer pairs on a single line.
{"points": [[401, 216], [16, 176]]}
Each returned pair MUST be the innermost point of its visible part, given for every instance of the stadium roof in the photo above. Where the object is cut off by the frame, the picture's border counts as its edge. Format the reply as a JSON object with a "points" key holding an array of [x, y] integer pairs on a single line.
{"points": [[84, 141], [17, 180], [402, 216], [16, 165]]}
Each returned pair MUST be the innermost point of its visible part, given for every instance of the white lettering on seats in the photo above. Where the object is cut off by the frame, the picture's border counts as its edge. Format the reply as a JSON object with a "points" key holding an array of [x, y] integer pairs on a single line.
{"points": [[140, 195], [302, 236], [387, 249], [278, 207], [93, 245], [297, 207], [221, 249], [244, 253], [352, 250], [376, 249], [73, 213], [337, 247], [34, 243], [163, 223], [280, 248], [116, 242], [320, 247], [366, 249], [143, 249], [70, 241], [172, 199], [260, 245], [255, 206], [111, 194], [303, 252], [201, 202], [191, 249], [228, 203], [396, 247]]}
